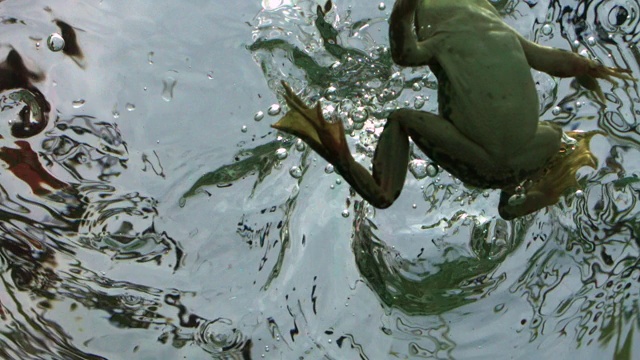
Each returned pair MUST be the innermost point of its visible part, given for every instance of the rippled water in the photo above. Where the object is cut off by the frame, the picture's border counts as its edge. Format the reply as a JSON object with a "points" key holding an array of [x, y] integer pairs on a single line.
{"points": [[147, 209]]}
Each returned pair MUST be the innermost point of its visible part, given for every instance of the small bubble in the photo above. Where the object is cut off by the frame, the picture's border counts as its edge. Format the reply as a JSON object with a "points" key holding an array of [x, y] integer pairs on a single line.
{"points": [[415, 206], [274, 110], [432, 170], [556, 110], [517, 199], [210, 75], [329, 169], [244, 128], [418, 168], [359, 115], [591, 40], [295, 172], [382, 6], [282, 153], [78, 103], [167, 88], [300, 145], [418, 102], [115, 114], [579, 194], [258, 116], [55, 42], [150, 57], [130, 107], [330, 93], [345, 213], [547, 29], [417, 86]]}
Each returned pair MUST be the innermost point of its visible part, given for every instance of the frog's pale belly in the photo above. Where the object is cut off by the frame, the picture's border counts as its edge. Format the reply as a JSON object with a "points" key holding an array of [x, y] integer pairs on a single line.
{"points": [[490, 92]]}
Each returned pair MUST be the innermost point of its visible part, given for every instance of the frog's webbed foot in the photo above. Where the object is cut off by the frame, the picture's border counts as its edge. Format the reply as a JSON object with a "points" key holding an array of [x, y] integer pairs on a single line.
{"points": [[558, 179], [308, 123], [597, 71]]}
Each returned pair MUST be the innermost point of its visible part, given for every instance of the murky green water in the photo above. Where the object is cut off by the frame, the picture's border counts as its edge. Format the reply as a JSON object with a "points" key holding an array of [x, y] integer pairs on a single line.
{"points": [[148, 211]]}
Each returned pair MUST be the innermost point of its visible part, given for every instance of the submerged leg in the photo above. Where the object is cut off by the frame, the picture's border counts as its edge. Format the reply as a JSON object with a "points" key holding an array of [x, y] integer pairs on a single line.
{"points": [[328, 139]]}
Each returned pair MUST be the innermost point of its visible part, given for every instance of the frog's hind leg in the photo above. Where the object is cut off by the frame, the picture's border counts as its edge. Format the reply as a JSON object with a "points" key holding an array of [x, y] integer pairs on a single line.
{"points": [[468, 161], [446, 145], [328, 139]]}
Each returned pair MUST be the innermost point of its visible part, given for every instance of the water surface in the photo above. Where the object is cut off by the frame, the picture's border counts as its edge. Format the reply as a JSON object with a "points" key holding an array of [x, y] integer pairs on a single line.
{"points": [[154, 214]]}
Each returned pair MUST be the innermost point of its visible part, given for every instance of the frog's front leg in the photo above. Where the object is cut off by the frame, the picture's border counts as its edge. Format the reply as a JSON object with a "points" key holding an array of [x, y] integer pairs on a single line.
{"points": [[563, 63], [406, 49]]}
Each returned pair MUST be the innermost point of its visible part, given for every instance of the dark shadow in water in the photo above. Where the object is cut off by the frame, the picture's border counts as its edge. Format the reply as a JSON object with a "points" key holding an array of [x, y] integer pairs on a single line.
{"points": [[71, 47]]}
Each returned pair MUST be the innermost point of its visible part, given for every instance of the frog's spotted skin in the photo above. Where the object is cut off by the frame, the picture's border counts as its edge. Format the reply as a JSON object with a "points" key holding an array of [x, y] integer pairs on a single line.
{"points": [[487, 132]]}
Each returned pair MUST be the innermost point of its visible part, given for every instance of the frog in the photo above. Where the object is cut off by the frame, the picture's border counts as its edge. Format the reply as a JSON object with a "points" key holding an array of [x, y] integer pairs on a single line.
{"points": [[487, 132]]}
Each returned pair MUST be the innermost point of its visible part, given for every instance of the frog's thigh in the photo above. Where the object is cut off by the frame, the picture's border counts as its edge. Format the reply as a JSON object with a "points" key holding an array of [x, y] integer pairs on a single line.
{"points": [[441, 140], [537, 152]]}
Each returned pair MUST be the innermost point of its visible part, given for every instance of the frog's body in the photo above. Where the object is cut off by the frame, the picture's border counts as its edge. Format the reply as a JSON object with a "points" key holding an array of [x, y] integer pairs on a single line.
{"points": [[487, 134]]}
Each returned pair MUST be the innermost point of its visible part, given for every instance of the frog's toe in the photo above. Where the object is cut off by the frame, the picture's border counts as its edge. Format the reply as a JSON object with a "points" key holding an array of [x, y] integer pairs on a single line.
{"points": [[609, 73], [590, 83]]}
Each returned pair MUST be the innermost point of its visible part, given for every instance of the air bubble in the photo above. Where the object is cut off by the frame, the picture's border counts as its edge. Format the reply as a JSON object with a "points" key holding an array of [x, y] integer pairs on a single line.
{"points": [[55, 42], [274, 110], [258, 116], [329, 169], [78, 103], [295, 172], [282, 153], [432, 170], [517, 199], [547, 29], [418, 168], [130, 107], [168, 85], [359, 115], [330, 93], [382, 6]]}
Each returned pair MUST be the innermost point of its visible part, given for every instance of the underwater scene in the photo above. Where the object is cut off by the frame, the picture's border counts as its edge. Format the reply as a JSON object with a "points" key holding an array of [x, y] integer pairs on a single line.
{"points": [[149, 210]]}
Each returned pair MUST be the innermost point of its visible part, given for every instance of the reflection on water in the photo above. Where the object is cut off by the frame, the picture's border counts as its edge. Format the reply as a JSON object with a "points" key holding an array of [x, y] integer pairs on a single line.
{"points": [[460, 263], [267, 253]]}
